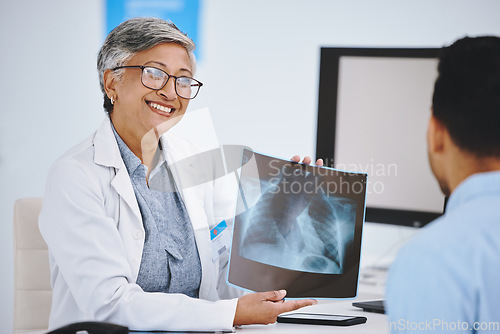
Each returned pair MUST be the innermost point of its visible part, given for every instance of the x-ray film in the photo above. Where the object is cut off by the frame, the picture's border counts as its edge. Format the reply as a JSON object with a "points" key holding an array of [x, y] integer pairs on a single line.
{"points": [[298, 227]]}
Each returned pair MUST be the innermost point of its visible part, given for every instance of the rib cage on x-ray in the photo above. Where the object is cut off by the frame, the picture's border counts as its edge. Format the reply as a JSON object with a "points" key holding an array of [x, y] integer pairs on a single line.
{"points": [[297, 231]]}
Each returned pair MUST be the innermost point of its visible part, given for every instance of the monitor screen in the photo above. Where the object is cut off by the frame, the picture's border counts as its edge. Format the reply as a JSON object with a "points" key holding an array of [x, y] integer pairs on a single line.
{"points": [[374, 106]]}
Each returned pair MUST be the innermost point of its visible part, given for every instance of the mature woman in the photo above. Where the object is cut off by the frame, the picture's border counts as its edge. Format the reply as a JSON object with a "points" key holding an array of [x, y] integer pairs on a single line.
{"points": [[121, 251]]}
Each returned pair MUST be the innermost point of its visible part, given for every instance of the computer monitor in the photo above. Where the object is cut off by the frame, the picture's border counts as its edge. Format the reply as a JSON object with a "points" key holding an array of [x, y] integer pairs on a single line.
{"points": [[373, 111]]}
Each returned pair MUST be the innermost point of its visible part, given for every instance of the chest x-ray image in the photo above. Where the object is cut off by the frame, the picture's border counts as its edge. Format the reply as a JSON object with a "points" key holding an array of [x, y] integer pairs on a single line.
{"points": [[297, 224], [296, 229]]}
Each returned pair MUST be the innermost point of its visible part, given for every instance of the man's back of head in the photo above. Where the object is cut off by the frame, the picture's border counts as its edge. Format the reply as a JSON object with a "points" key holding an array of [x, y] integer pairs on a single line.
{"points": [[467, 94], [464, 130]]}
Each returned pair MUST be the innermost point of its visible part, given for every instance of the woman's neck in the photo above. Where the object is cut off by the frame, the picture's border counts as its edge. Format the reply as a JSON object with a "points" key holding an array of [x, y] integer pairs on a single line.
{"points": [[144, 146]]}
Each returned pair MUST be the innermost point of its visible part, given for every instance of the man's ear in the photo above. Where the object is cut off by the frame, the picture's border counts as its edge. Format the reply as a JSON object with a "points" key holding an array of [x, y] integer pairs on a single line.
{"points": [[436, 135], [109, 81]]}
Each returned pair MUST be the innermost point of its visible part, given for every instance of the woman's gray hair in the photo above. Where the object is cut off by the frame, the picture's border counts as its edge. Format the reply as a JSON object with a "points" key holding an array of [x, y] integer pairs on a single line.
{"points": [[133, 36]]}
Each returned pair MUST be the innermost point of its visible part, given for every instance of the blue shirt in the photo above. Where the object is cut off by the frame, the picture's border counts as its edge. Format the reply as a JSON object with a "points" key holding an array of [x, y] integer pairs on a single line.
{"points": [[170, 261], [447, 278]]}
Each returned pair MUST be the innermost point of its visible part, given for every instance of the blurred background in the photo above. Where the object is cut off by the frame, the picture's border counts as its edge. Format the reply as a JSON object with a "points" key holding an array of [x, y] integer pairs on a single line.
{"points": [[258, 60]]}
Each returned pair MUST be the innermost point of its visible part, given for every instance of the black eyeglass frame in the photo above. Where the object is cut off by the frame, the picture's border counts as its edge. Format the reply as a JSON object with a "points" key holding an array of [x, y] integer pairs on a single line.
{"points": [[142, 67]]}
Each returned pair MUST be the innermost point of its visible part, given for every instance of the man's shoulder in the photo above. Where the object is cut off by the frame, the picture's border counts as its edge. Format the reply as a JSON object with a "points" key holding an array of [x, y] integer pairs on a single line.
{"points": [[447, 248], [447, 264]]}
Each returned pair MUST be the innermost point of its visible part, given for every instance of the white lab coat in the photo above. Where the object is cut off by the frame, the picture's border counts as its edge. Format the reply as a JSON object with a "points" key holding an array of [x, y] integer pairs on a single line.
{"points": [[93, 227]]}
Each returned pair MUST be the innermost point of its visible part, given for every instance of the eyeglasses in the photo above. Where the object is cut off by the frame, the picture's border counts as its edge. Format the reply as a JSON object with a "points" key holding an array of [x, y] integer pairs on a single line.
{"points": [[156, 79]]}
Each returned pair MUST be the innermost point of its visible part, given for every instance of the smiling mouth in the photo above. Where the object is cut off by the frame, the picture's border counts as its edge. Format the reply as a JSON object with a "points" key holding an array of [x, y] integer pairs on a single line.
{"points": [[161, 108]]}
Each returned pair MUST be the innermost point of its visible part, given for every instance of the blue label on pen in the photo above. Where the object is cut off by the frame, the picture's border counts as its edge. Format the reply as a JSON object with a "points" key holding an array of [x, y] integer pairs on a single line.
{"points": [[218, 229]]}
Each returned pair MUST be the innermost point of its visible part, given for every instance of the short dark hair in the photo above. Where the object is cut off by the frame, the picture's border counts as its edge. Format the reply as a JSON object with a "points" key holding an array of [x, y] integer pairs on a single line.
{"points": [[467, 94]]}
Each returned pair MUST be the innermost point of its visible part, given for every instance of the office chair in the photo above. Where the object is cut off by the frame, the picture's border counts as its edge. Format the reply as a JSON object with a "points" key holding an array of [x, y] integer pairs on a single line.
{"points": [[32, 290]]}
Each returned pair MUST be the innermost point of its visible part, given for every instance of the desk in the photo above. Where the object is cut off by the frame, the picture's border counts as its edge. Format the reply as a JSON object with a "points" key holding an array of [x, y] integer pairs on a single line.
{"points": [[376, 322]]}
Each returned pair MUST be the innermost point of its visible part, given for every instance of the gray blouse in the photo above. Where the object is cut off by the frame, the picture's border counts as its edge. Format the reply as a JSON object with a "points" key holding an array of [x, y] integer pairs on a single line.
{"points": [[170, 262]]}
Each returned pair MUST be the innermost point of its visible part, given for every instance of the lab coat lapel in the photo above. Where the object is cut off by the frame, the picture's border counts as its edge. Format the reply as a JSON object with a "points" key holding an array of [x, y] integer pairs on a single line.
{"points": [[107, 154], [186, 172], [121, 183]]}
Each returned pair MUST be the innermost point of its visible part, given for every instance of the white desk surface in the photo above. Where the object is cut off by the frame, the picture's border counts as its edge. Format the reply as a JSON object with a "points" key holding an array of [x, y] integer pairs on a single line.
{"points": [[376, 322]]}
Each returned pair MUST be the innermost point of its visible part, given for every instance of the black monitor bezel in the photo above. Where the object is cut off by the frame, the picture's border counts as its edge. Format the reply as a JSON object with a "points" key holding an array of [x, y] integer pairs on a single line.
{"points": [[326, 121]]}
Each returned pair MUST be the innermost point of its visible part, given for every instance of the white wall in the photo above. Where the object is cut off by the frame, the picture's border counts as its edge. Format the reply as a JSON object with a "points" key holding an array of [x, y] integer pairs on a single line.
{"points": [[49, 101], [50, 98]]}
